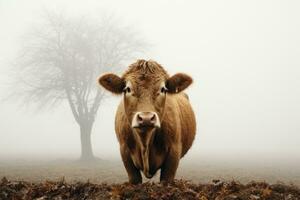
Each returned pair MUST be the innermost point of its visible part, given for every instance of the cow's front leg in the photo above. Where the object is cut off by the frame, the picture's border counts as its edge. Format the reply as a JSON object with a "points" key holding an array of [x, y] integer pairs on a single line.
{"points": [[169, 168], [134, 174]]}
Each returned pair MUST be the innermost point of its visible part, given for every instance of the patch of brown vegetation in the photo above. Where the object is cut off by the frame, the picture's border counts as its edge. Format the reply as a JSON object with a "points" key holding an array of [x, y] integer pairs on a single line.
{"points": [[180, 189]]}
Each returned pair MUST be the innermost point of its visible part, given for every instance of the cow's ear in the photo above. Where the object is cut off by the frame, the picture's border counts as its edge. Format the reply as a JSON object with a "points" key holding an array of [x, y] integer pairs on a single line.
{"points": [[112, 83], [178, 82]]}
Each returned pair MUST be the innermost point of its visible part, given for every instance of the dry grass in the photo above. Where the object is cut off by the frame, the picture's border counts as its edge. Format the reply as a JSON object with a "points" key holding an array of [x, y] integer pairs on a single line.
{"points": [[105, 180], [180, 189], [114, 172]]}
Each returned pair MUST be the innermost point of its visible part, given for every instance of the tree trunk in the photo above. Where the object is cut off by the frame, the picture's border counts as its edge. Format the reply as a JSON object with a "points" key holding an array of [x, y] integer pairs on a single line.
{"points": [[86, 145]]}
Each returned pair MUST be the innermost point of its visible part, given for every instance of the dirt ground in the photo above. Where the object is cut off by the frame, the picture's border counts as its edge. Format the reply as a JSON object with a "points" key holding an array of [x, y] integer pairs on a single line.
{"points": [[112, 171], [179, 189], [106, 179]]}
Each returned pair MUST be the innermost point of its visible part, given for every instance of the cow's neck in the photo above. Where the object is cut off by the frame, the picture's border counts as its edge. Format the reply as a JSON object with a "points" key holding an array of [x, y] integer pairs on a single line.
{"points": [[144, 140]]}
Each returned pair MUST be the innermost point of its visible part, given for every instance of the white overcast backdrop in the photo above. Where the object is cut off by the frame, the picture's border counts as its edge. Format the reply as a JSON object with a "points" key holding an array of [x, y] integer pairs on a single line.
{"points": [[244, 57]]}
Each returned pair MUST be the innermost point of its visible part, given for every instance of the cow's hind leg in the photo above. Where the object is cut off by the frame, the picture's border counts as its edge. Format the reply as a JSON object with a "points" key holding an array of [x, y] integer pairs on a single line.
{"points": [[134, 174]]}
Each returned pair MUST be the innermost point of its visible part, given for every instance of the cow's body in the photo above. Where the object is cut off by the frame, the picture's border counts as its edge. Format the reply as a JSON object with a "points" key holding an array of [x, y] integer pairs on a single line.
{"points": [[150, 149], [176, 134]]}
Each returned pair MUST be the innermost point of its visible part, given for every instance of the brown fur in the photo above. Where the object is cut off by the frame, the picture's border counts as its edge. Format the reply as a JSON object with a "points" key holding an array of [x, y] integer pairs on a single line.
{"points": [[159, 148]]}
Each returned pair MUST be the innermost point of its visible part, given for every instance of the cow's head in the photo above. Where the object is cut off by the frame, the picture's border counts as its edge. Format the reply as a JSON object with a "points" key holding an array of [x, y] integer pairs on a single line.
{"points": [[145, 87]]}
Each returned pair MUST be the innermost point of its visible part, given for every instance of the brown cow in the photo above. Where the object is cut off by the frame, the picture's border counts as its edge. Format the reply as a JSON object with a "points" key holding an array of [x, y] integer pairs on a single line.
{"points": [[154, 123]]}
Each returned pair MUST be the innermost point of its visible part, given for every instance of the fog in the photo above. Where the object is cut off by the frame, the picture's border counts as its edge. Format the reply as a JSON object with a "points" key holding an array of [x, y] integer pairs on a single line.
{"points": [[242, 55]]}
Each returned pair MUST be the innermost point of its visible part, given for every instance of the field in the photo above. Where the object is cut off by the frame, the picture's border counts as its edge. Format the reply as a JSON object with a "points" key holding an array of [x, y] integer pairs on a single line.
{"points": [[203, 169], [177, 190], [105, 179]]}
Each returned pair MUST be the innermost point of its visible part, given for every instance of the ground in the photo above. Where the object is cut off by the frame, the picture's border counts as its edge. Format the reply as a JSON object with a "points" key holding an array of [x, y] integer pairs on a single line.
{"points": [[106, 179], [178, 190]]}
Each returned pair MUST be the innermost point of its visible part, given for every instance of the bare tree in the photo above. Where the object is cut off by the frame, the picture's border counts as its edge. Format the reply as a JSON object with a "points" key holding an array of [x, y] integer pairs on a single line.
{"points": [[61, 60]]}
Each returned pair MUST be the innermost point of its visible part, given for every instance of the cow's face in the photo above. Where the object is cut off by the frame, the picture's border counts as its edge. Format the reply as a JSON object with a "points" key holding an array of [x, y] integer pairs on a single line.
{"points": [[145, 87], [144, 102]]}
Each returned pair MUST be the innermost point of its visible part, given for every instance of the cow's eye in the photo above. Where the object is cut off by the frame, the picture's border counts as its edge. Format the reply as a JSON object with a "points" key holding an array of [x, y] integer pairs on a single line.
{"points": [[127, 90], [163, 90]]}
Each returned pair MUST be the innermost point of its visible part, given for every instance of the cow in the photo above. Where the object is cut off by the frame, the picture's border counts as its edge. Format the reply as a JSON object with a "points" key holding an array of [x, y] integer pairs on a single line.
{"points": [[154, 123]]}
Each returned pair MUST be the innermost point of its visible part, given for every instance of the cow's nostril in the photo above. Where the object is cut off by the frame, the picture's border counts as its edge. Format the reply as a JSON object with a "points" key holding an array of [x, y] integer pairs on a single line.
{"points": [[140, 119], [153, 117]]}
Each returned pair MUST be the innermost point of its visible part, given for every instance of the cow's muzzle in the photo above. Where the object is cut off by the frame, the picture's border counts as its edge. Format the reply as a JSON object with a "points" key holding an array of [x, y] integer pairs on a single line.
{"points": [[145, 119]]}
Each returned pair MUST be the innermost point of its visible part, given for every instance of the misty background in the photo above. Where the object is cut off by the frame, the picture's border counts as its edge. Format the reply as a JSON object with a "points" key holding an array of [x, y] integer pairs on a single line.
{"points": [[242, 55]]}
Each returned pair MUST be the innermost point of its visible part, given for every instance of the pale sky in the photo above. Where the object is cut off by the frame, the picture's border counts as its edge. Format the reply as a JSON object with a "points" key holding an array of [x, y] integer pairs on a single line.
{"points": [[242, 55]]}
